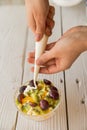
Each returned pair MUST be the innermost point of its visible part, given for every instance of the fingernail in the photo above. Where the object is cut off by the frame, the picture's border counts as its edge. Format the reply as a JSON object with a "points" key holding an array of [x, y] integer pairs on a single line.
{"points": [[37, 37]]}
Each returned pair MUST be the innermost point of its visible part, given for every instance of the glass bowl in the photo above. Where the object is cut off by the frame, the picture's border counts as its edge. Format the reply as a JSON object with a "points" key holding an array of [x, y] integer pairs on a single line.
{"points": [[36, 117]]}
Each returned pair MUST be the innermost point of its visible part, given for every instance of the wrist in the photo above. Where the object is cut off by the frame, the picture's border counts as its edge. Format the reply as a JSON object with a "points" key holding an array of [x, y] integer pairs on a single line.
{"points": [[82, 37]]}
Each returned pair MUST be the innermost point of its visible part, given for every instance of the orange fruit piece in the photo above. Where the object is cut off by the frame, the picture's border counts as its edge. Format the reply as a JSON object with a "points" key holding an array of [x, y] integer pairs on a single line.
{"points": [[27, 99]]}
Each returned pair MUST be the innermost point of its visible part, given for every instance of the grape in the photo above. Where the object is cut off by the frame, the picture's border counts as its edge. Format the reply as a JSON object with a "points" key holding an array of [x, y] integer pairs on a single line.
{"points": [[21, 90], [31, 83], [33, 104], [47, 82], [53, 88], [54, 94], [20, 97], [44, 104]]}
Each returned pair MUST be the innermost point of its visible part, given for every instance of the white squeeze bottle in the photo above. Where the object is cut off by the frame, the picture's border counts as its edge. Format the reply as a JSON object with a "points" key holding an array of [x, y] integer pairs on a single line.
{"points": [[39, 49], [67, 2]]}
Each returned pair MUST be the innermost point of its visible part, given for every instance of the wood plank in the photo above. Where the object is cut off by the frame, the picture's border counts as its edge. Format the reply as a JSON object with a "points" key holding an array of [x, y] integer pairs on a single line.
{"points": [[5, 2], [74, 16], [58, 122], [12, 42], [76, 89]]}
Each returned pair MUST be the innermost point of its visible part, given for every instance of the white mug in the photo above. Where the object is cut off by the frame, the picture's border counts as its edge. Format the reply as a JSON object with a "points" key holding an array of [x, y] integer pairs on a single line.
{"points": [[67, 2]]}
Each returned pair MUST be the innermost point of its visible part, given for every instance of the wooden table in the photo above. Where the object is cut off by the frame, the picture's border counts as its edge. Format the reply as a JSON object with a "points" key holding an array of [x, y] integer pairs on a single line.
{"points": [[15, 43]]}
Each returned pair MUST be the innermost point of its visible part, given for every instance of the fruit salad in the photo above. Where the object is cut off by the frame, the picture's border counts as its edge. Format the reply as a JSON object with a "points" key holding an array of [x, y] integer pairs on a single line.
{"points": [[37, 101]]}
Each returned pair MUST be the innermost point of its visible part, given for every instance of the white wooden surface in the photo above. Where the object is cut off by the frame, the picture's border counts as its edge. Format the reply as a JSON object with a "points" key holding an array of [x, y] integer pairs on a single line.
{"points": [[5, 2], [15, 43], [12, 42], [77, 116]]}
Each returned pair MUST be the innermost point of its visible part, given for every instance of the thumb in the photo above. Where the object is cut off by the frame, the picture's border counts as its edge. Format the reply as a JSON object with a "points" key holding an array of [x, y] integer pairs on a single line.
{"points": [[44, 58], [40, 29]]}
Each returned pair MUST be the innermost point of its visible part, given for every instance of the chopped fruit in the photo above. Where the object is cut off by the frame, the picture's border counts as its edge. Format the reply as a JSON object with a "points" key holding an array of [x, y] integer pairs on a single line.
{"points": [[47, 82], [37, 101], [54, 94], [27, 99], [44, 104], [33, 104], [21, 90], [44, 94], [35, 97], [31, 83], [20, 97], [53, 88]]}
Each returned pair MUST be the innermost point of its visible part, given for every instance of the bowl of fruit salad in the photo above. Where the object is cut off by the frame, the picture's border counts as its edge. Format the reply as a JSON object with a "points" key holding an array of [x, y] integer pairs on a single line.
{"points": [[37, 104]]}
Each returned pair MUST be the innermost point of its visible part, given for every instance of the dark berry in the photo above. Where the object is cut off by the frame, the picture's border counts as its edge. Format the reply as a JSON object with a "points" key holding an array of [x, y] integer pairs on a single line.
{"points": [[20, 97], [47, 82], [31, 83], [54, 94], [21, 90], [44, 104], [32, 104], [53, 88]]}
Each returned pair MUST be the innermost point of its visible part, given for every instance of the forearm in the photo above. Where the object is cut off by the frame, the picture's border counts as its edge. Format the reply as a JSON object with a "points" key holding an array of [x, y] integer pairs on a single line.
{"points": [[79, 35], [84, 37]]}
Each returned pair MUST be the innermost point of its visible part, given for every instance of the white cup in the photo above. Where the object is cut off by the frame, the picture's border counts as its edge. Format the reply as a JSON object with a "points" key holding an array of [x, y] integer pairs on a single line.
{"points": [[67, 2]]}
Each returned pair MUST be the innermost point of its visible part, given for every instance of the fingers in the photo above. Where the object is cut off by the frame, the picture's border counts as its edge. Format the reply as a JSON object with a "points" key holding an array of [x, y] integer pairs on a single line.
{"points": [[43, 25], [48, 70], [44, 58], [31, 23], [49, 63], [50, 46], [50, 22], [52, 9], [31, 55], [40, 28], [32, 61]]}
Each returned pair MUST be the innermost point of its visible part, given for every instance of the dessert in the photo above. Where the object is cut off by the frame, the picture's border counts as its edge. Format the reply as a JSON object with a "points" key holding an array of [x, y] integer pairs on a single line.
{"points": [[38, 101]]}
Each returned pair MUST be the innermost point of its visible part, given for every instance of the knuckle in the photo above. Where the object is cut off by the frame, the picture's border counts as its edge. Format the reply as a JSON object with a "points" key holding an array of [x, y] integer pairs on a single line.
{"points": [[50, 23], [40, 62], [48, 32], [52, 8], [40, 16]]}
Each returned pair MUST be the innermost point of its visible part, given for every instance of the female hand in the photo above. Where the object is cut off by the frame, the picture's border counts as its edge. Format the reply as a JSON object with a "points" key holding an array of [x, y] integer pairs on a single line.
{"points": [[60, 55], [40, 17]]}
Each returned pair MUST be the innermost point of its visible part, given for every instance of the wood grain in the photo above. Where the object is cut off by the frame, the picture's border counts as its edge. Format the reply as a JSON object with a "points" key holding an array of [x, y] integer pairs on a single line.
{"points": [[15, 44], [11, 2], [12, 41], [75, 77], [57, 122]]}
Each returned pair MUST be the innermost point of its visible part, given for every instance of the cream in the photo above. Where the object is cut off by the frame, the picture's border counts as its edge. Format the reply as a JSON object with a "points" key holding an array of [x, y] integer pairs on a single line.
{"points": [[39, 49]]}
